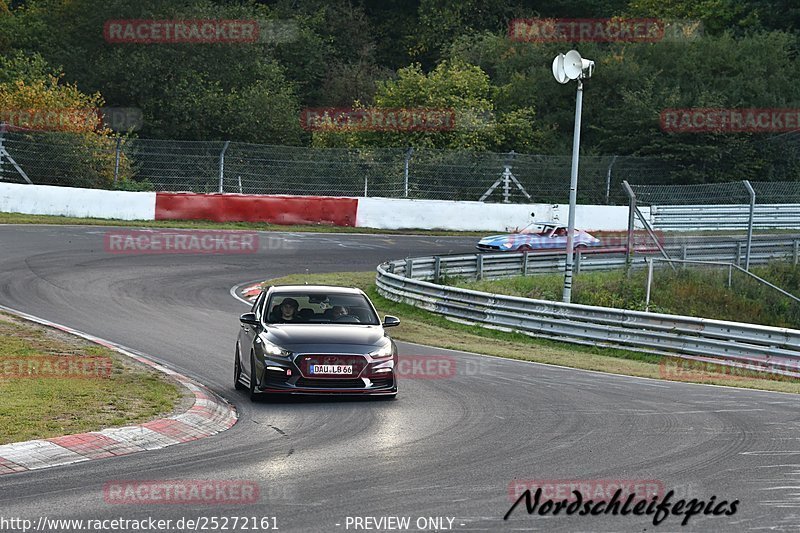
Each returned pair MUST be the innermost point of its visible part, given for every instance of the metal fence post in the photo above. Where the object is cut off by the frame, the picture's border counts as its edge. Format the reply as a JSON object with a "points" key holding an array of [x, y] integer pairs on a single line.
{"points": [[2, 149], [365, 186], [116, 159], [478, 266], [749, 223], [796, 251], [405, 170], [608, 179], [631, 215], [437, 268], [649, 283], [738, 254], [222, 165], [730, 275]]}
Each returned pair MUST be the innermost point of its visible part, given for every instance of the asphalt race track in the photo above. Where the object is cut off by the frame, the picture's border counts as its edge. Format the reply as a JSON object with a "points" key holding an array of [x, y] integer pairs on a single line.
{"points": [[445, 448]]}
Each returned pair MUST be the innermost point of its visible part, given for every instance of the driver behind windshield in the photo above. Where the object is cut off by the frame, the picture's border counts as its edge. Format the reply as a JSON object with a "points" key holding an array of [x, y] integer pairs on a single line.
{"points": [[287, 312]]}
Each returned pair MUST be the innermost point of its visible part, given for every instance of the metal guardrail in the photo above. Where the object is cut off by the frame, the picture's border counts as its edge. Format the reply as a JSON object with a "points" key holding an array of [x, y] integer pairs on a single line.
{"points": [[721, 217], [414, 281]]}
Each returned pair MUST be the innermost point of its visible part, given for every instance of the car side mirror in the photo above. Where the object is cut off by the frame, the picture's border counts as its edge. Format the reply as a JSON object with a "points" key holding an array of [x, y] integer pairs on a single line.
{"points": [[249, 318], [390, 321]]}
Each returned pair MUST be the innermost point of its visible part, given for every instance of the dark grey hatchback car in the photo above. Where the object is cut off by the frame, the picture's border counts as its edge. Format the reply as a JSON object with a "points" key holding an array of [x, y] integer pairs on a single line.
{"points": [[315, 339]]}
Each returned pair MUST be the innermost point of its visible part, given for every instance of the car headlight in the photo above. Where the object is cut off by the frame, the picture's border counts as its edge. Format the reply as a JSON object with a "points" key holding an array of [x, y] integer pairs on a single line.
{"points": [[273, 349], [384, 351], [506, 245]]}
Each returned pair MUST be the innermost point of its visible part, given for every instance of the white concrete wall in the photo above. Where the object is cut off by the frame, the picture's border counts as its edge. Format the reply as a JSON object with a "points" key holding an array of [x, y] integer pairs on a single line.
{"points": [[393, 213], [74, 202]]}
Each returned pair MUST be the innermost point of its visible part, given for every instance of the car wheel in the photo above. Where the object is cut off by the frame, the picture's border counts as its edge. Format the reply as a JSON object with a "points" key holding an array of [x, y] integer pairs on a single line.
{"points": [[253, 391], [524, 248], [237, 371]]}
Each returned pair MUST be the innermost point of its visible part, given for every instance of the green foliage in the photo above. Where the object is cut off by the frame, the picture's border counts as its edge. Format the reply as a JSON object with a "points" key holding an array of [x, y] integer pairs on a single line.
{"points": [[441, 54]]}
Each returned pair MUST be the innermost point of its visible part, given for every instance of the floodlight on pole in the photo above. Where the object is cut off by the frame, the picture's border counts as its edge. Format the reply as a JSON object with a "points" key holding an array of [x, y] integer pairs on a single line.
{"points": [[571, 66]]}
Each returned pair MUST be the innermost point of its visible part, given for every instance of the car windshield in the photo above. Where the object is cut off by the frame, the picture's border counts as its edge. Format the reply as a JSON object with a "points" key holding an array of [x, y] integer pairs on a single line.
{"points": [[319, 308]]}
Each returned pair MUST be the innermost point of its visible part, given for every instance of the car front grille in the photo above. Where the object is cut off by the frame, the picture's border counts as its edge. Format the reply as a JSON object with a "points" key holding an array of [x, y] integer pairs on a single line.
{"points": [[329, 383], [304, 362]]}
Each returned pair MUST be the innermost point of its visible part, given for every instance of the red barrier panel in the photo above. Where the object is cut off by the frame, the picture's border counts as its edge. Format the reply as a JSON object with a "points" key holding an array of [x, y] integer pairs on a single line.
{"points": [[257, 208]]}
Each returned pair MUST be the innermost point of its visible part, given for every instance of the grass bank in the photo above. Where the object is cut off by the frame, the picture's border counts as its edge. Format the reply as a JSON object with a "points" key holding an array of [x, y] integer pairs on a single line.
{"points": [[422, 327], [53, 384]]}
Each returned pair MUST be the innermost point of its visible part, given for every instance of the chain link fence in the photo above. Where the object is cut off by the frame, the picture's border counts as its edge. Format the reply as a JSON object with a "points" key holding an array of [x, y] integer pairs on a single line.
{"points": [[89, 160], [220, 166]]}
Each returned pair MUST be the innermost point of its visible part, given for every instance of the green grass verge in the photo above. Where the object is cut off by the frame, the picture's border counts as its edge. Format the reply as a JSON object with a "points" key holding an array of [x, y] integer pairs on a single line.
{"points": [[40, 403], [422, 327], [18, 218]]}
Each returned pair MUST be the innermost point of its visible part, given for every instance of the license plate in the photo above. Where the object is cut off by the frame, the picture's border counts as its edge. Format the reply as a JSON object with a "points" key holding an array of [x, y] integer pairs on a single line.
{"points": [[332, 370]]}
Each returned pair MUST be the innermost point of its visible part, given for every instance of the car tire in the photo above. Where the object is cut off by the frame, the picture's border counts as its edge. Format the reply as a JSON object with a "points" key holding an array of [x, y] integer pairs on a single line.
{"points": [[253, 391], [524, 248], [237, 371]]}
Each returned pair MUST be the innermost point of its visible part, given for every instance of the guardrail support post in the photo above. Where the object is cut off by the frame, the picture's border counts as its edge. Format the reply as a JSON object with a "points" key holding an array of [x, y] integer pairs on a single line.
{"points": [[409, 273], [437, 268], [525, 262], [730, 275], [478, 266], [577, 262], [683, 254], [796, 251], [738, 254]]}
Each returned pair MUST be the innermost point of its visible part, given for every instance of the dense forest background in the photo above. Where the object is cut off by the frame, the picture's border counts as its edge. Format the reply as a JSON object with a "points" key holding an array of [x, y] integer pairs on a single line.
{"points": [[425, 53]]}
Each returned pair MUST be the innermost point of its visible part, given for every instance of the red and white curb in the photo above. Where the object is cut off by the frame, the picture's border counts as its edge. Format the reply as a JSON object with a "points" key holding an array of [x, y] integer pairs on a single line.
{"points": [[209, 415]]}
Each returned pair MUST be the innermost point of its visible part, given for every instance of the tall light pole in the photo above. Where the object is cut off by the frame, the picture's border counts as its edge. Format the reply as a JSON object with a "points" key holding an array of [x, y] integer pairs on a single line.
{"points": [[571, 66]]}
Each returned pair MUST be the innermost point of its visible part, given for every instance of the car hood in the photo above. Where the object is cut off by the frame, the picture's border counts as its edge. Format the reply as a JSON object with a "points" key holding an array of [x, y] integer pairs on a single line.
{"points": [[308, 337], [492, 238]]}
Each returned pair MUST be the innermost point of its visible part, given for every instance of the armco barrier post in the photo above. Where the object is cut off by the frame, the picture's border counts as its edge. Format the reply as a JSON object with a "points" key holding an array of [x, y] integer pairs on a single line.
{"points": [[796, 251], [437, 268], [478, 266], [525, 263]]}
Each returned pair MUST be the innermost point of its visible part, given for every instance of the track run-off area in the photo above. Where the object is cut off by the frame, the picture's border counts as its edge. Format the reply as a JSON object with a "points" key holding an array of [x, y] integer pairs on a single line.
{"points": [[446, 449]]}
